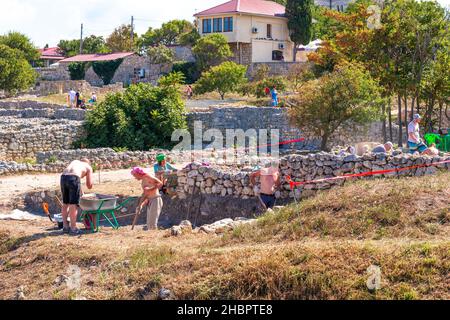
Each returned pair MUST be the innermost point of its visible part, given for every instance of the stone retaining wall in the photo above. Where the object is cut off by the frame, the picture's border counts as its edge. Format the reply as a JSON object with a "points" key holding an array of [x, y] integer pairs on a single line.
{"points": [[212, 181], [245, 118]]}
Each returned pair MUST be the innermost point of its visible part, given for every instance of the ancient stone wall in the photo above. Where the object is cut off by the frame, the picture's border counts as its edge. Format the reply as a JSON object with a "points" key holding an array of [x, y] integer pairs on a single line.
{"points": [[245, 118], [241, 54], [60, 73], [275, 68], [213, 181]]}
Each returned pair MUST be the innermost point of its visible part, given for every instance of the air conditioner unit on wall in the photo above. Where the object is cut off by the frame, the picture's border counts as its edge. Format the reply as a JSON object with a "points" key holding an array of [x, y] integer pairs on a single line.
{"points": [[254, 30], [281, 46]]}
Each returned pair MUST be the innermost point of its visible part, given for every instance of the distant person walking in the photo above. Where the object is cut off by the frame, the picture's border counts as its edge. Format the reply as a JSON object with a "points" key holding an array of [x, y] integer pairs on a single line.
{"points": [[274, 94], [189, 92], [71, 98]]}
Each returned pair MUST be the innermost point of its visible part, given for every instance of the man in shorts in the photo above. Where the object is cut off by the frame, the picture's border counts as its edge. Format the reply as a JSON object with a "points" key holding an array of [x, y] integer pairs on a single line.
{"points": [[270, 180], [71, 191]]}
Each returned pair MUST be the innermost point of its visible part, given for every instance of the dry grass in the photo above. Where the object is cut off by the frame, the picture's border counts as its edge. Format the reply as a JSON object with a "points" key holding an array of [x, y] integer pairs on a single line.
{"points": [[413, 208], [318, 250]]}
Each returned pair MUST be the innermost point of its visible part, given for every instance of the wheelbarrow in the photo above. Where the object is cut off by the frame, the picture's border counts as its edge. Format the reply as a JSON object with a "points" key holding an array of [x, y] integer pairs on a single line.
{"points": [[96, 206]]}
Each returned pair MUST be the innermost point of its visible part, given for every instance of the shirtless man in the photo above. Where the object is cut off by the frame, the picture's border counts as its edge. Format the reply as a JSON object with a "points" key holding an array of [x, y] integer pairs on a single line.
{"points": [[270, 180], [151, 198], [71, 191]]}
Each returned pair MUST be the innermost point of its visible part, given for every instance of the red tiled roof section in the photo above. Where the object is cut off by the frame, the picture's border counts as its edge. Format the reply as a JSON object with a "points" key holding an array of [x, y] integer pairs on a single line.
{"points": [[51, 53], [268, 8], [98, 57]]}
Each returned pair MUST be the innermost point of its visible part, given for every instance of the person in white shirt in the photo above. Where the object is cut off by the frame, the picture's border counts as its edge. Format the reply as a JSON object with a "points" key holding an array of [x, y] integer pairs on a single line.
{"points": [[71, 97]]}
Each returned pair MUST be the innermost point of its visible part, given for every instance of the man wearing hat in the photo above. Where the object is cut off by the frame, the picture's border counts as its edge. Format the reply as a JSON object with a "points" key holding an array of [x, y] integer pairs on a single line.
{"points": [[414, 141]]}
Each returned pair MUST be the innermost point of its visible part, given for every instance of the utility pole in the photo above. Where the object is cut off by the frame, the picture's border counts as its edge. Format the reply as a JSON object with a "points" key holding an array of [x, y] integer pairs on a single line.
{"points": [[81, 40], [132, 32]]}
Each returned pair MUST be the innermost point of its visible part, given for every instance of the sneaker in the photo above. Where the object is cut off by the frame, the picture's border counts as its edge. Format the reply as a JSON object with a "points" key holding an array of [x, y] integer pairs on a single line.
{"points": [[66, 230]]}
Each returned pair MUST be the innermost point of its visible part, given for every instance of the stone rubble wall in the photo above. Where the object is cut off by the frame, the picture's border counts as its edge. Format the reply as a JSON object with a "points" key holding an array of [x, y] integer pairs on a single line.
{"points": [[249, 117], [23, 138], [213, 181], [44, 88]]}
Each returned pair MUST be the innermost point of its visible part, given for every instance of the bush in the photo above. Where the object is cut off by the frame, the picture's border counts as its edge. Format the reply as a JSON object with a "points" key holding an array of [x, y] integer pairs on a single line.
{"points": [[188, 69], [227, 77], [141, 118], [106, 69], [77, 70], [258, 88], [270, 82]]}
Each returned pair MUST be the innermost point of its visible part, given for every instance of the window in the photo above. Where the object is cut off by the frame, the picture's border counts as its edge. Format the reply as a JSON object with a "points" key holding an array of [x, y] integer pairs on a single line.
{"points": [[277, 55], [228, 24], [269, 31], [206, 26], [217, 26]]}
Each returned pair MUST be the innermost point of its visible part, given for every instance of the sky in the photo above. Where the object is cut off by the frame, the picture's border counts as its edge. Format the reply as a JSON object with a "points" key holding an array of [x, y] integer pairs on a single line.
{"points": [[48, 21]]}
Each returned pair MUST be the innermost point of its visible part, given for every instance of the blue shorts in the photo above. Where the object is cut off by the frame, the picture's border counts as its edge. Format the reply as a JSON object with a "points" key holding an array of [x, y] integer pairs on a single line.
{"points": [[413, 147]]}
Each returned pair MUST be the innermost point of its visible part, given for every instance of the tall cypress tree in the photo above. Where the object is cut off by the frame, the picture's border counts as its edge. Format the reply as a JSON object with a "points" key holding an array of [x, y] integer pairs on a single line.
{"points": [[299, 13]]}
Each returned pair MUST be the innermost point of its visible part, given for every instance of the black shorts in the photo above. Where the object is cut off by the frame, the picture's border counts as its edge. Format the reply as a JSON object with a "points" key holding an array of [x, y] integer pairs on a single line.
{"points": [[268, 200], [71, 189]]}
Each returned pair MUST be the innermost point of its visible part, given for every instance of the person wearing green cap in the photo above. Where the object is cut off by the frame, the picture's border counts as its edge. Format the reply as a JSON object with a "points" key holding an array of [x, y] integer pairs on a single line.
{"points": [[161, 168]]}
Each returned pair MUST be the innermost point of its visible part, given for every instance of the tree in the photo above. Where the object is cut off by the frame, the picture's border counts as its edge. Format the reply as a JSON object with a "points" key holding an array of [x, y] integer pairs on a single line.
{"points": [[224, 78], [141, 118], [16, 73], [120, 40], [21, 42], [106, 69], [160, 54], [347, 95], [299, 14], [211, 50], [91, 44], [170, 34]]}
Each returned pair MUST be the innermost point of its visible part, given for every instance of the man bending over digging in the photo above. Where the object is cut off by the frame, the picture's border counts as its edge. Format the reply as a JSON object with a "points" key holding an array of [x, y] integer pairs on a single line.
{"points": [[151, 198], [71, 192]]}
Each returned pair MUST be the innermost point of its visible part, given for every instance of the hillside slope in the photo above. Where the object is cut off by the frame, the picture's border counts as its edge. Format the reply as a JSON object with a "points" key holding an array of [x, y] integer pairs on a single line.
{"points": [[319, 249]]}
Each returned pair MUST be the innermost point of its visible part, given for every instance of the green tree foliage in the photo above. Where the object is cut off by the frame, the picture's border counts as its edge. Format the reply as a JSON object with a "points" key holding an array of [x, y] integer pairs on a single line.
{"points": [[91, 44], [211, 50], [160, 54], [77, 70], [21, 42], [224, 78], [16, 73], [173, 32], [347, 94], [120, 40], [299, 14], [173, 79], [188, 69], [106, 69], [141, 118]]}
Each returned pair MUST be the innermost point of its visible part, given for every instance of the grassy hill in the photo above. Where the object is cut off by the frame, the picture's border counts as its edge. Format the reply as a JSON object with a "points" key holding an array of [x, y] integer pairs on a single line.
{"points": [[319, 249]]}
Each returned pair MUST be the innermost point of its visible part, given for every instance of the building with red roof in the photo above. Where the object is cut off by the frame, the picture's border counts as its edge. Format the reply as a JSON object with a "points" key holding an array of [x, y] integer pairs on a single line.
{"points": [[50, 56], [256, 30], [97, 57]]}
